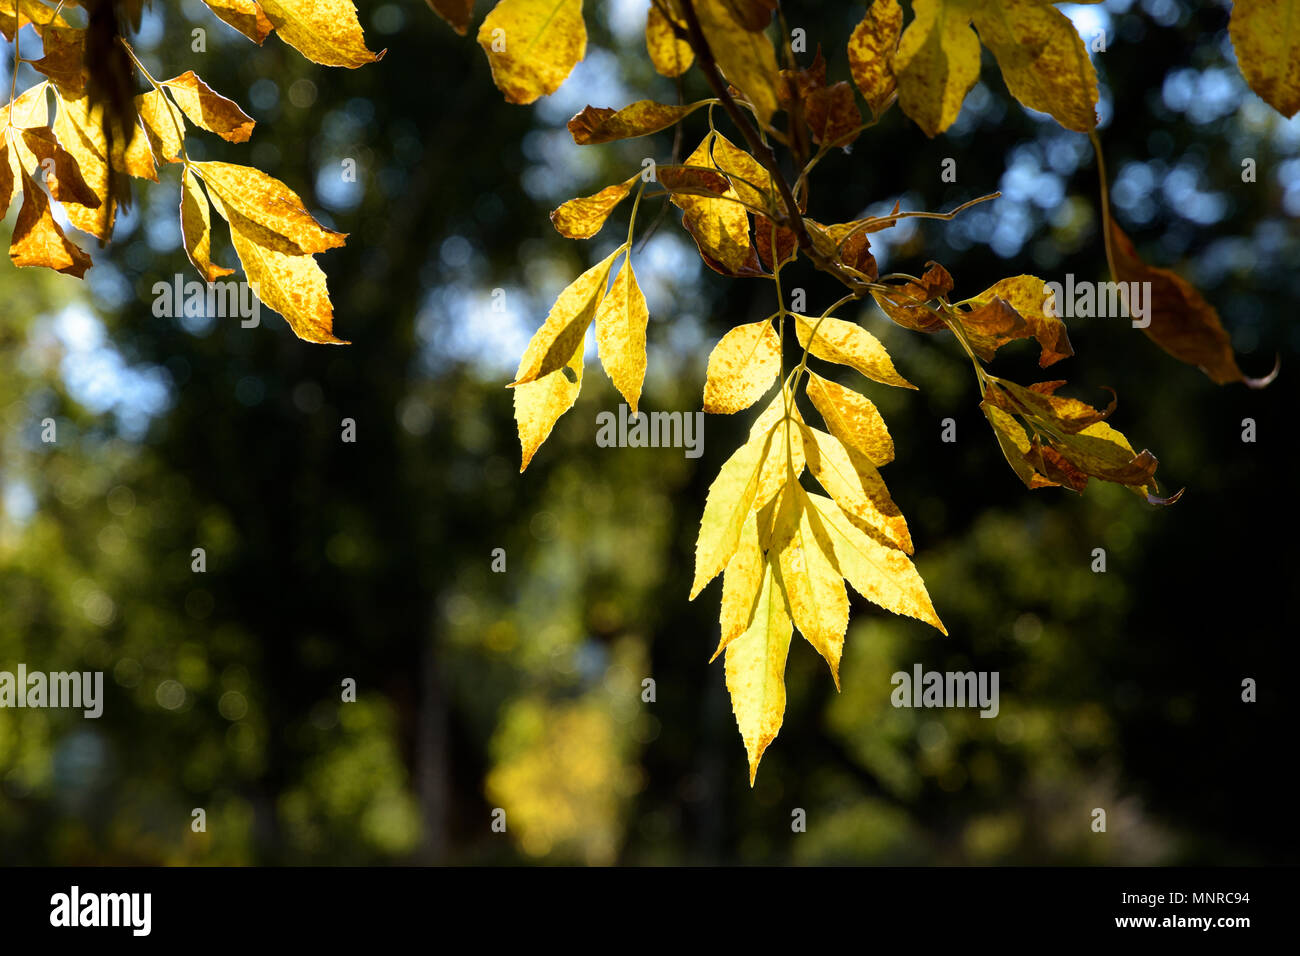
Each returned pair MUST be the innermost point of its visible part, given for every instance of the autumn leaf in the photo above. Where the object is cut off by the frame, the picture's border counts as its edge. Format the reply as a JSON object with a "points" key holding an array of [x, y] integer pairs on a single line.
{"points": [[63, 59], [742, 366], [937, 63], [621, 322], [82, 136], [458, 13], [1179, 320], [671, 57], [847, 343], [246, 16], [324, 31], [540, 403], [1042, 59], [755, 671], [208, 110], [38, 240], [284, 278], [727, 508], [989, 326], [164, 124], [6, 179], [271, 204], [856, 486], [742, 582], [882, 574], [810, 578], [552, 346], [533, 45], [62, 175], [196, 228], [583, 217], [745, 57], [720, 227], [1266, 38], [785, 460], [853, 419], [872, 47], [603, 125]]}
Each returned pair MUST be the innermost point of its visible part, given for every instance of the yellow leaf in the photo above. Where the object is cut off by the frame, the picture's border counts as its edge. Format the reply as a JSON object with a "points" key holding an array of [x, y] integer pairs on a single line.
{"points": [[670, 56], [270, 203], [600, 124], [784, 462], [741, 583], [620, 334], [246, 16], [533, 45], [208, 110], [164, 124], [553, 344], [1025, 295], [82, 136], [847, 343], [856, 487], [324, 31], [742, 366], [810, 578], [871, 53], [745, 57], [196, 228], [38, 240], [539, 404], [938, 62], [1042, 59], [1266, 38], [727, 507], [881, 574], [853, 419], [755, 669], [749, 180], [15, 14], [6, 179], [286, 280], [459, 13], [719, 226], [583, 217]]}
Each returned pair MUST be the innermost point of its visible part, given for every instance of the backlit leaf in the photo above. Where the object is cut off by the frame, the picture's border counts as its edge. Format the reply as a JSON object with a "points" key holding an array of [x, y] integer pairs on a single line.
{"points": [[938, 62], [599, 124], [847, 343], [324, 31], [270, 203], [583, 217], [38, 240], [533, 45], [1266, 38], [755, 669], [746, 58], [196, 228], [853, 419], [208, 110], [872, 47], [742, 366], [246, 16], [670, 56], [620, 334], [553, 344]]}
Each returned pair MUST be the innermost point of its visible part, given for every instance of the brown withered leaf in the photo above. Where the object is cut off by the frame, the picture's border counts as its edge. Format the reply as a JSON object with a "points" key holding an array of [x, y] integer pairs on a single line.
{"points": [[1026, 296], [600, 124], [64, 58], [1179, 319], [458, 13]]}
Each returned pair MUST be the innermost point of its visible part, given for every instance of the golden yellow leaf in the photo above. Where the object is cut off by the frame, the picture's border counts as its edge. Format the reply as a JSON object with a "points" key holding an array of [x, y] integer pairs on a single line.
{"points": [[620, 334], [324, 31], [670, 56], [749, 180], [847, 343], [853, 419], [196, 228], [600, 124], [553, 344], [727, 507], [6, 178], [246, 16], [286, 280], [1266, 38], [741, 583], [856, 487], [82, 136], [15, 14], [533, 45], [1025, 295], [459, 13], [270, 203], [1042, 59], [872, 46], [539, 404], [720, 227], [38, 240], [164, 124], [755, 669], [742, 366], [880, 573], [583, 217], [784, 462], [209, 110], [937, 63], [810, 578], [745, 57], [29, 111]]}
